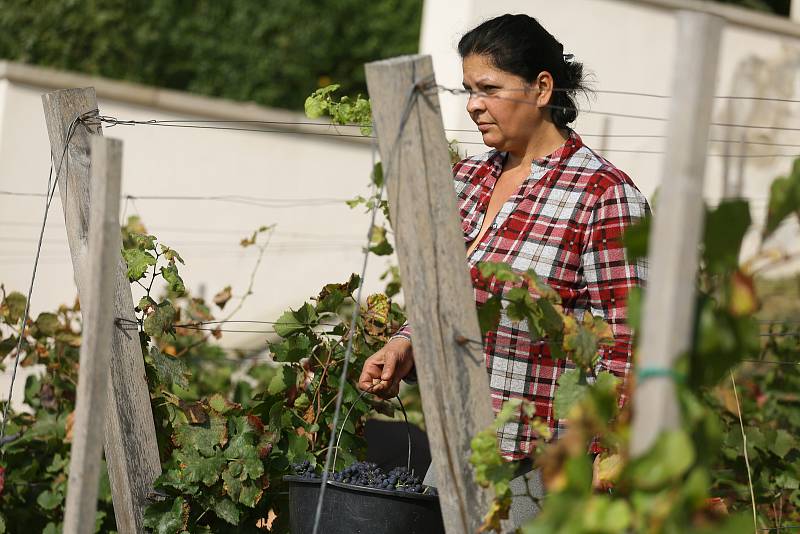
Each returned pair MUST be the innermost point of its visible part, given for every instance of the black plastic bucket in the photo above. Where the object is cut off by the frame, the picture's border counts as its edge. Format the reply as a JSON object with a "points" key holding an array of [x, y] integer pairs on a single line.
{"points": [[350, 509]]}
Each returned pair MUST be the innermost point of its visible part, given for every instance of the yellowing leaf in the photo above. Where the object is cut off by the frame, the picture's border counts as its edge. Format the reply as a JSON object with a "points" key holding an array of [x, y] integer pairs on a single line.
{"points": [[608, 470], [743, 298]]}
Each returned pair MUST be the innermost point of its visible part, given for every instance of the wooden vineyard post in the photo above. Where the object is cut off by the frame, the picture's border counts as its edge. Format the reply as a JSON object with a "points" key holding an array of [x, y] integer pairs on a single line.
{"points": [[130, 440], [95, 358], [436, 282], [678, 225]]}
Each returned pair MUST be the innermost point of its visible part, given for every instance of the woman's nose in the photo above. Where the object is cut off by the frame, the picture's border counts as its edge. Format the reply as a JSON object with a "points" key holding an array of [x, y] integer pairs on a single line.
{"points": [[475, 102]]}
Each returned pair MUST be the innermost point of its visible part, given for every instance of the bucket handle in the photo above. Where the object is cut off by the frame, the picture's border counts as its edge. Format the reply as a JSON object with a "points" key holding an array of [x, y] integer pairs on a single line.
{"points": [[347, 416]]}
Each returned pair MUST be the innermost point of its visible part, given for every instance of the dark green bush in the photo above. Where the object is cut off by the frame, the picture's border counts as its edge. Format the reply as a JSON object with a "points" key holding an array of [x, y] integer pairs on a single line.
{"points": [[273, 52]]}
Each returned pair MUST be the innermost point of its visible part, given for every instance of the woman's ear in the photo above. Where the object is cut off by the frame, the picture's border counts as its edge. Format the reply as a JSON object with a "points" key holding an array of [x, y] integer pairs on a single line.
{"points": [[543, 85]]}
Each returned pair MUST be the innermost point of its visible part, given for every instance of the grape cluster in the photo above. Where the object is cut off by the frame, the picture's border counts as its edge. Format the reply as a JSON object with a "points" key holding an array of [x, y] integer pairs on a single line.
{"points": [[305, 470], [370, 475]]}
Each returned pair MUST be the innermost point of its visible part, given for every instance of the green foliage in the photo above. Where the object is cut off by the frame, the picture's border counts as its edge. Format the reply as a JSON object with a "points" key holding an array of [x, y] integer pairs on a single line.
{"points": [[784, 199], [34, 463], [224, 454], [269, 52], [343, 111], [227, 458], [224, 445]]}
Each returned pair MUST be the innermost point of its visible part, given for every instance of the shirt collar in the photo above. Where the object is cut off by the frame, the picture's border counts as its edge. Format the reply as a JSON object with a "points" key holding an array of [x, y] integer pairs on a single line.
{"points": [[545, 163], [562, 153]]}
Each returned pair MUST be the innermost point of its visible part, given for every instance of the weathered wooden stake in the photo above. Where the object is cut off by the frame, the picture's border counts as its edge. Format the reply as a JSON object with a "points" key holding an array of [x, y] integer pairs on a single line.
{"points": [[678, 225], [98, 326], [130, 440], [436, 283]]}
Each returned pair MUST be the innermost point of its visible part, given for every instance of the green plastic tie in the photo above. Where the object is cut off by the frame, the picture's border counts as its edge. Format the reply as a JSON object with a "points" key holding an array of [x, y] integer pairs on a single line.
{"points": [[658, 372]]}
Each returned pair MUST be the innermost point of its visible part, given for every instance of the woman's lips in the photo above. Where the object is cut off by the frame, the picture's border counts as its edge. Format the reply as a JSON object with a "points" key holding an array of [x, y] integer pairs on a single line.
{"points": [[484, 126]]}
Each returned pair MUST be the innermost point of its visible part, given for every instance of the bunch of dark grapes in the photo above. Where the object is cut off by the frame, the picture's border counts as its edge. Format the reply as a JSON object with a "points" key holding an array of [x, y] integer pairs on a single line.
{"points": [[304, 470], [370, 475]]}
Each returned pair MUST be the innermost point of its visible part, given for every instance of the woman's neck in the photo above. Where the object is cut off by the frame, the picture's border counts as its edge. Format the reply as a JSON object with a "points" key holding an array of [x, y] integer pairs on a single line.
{"points": [[542, 143]]}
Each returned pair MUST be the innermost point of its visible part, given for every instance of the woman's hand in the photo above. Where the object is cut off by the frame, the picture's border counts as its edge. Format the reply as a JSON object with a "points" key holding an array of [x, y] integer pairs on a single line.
{"points": [[383, 370]]}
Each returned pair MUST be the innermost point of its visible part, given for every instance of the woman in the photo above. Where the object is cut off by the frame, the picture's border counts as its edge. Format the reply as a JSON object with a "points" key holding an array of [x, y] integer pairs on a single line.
{"points": [[540, 200]]}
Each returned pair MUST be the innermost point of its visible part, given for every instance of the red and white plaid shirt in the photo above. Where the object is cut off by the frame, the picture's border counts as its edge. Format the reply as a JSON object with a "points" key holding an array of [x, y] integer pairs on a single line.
{"points": [[565, 222]]}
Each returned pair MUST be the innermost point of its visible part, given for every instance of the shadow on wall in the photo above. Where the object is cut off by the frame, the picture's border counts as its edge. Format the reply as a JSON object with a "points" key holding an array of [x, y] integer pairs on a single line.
{"points": [[776, 77]]}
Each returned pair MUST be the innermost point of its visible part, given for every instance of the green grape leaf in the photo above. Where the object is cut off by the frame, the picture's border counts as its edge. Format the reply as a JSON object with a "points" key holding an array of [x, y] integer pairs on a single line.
{"points": [[284, 377], [572, 387], [173, 279], [138, 261], [169, 370], [205, 439], [231, 483], [317, 104], [49, 499], [143, 241], [220, 404], [252, 467], [784, 199], [7, 345], [296, 321], [635, 239], [13, 306], [501, 271], [379, 245], [227, 510], [47, 324], [160, 320], [164, 518], [787, 481], [202, 469], [489, 314], [602, 514], [606, 382], [292, 349], [298, 445], [250, 495], [582, 346], [551, 321], [670, 457], [635, 303], [725, 228], [783, 443], [242, 447], [520, 304], [355, 202], [377, 174]]}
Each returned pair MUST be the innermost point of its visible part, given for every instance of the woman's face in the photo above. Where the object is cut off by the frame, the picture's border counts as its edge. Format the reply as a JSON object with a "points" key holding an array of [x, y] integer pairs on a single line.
{"points": [[506, 108]]}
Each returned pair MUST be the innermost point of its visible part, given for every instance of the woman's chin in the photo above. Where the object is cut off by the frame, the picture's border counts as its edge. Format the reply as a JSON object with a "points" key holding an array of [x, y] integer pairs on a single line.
{"points": [[492, 140]]}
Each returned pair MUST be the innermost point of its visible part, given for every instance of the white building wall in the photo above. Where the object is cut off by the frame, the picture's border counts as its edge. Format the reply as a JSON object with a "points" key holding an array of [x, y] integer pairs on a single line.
{"points": [[313, 244]]}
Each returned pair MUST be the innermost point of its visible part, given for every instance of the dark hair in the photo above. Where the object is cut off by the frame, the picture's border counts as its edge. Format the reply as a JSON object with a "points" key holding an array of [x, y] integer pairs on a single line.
{"points": [[520, 45]]}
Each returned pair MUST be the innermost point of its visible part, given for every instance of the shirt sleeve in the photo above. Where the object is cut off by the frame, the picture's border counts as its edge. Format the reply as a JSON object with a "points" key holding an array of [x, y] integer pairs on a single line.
{"points": [[404, 332], [609, 276]]}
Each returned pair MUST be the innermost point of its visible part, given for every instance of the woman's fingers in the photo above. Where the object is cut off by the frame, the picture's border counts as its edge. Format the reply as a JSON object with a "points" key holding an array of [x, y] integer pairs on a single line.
{"points": [[373, 368], [383, 371]]}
